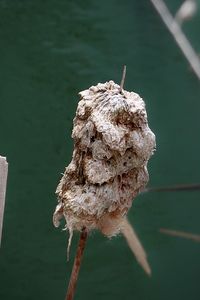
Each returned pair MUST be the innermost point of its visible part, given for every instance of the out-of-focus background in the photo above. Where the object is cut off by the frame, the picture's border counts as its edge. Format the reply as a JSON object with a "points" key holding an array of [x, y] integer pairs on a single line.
{"points": [[49, 51]]}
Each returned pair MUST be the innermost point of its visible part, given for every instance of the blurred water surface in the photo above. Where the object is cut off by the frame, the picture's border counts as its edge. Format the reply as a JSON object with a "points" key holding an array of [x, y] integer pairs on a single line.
{"points": [[49, 51]]}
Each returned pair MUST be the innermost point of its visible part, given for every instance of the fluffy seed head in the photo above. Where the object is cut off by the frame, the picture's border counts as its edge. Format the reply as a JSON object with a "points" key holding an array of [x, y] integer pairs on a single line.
{"points": [[112, 146]]}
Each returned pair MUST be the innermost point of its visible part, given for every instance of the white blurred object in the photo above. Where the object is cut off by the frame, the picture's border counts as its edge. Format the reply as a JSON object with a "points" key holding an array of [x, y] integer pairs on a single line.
{"points": [[3, 181], [179, 36], [186, 11]]}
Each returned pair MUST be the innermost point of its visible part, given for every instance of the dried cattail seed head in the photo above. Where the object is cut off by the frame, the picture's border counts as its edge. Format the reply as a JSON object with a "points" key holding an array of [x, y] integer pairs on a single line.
{"points": [[112, 145]]}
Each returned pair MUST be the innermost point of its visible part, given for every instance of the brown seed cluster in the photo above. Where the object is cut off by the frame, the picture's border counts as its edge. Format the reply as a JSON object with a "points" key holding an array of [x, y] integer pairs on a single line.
{"points": [[112, 146]]}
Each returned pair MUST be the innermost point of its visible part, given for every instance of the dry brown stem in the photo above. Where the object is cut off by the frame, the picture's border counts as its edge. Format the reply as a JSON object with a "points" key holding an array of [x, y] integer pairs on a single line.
{"points": [[76, 267]]}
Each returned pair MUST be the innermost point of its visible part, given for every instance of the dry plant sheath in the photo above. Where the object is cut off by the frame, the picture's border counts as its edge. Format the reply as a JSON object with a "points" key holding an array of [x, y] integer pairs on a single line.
{"points": [[76, 266], [112, 146], [3, 181]]}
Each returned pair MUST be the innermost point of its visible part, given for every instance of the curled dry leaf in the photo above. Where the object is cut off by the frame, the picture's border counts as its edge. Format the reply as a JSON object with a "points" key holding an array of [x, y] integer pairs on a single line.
{"points": [[112, 146]]}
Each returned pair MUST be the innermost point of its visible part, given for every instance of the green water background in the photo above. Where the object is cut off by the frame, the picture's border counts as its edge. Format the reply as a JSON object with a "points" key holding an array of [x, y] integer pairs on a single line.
{"points": [[49, 51]]}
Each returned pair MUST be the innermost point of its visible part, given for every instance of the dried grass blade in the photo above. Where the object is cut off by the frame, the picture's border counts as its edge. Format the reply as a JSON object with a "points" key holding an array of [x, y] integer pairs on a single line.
{"points": [[135, 245]]}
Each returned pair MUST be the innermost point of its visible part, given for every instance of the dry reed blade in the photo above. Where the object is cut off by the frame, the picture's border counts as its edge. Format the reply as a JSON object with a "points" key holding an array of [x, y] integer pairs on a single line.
{"points": [[135, 245]]}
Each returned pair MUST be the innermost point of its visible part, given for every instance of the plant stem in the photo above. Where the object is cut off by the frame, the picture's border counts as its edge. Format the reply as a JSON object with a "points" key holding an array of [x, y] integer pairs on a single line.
{"points": [[123, 78], [77, 264], [187, 235], [178, 35], [174, 188]]}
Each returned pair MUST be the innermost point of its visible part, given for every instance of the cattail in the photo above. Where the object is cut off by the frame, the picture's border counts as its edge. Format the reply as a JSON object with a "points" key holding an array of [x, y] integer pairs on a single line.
{"points": [[112, 146]]}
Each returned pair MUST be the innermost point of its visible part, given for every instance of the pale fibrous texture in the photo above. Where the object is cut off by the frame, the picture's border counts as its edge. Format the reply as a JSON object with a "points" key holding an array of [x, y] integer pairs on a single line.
{"points": [[112, 146]]}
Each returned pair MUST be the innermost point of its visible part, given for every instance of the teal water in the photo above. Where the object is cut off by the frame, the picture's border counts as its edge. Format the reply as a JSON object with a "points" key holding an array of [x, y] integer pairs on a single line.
{"points": [[49, 51]]}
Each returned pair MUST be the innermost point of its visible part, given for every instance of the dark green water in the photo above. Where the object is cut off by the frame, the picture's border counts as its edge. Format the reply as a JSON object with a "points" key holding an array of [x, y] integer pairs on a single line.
{"points": [[49, 51]]}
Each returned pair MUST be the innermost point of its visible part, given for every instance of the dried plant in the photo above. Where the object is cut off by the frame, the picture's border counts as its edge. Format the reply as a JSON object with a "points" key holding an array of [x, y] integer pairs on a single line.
{"points": [[183, 234], [186, 11], [112, 146], [173, 24]]}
